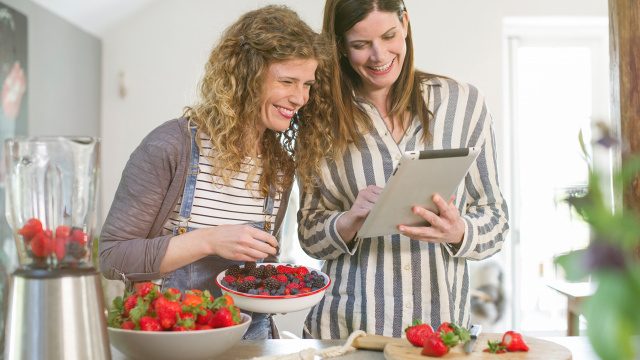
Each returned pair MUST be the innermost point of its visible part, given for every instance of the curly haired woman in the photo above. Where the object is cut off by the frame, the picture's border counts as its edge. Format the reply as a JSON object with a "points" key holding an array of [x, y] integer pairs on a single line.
{"points": [[210, 189]]}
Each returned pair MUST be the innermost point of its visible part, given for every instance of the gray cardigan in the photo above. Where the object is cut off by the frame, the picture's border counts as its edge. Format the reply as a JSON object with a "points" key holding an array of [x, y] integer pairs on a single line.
{"points": [[131, 245]]}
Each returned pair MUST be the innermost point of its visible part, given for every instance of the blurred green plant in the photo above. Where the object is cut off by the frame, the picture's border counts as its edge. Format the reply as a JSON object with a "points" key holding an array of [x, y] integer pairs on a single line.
{"points": [[611, 259]]}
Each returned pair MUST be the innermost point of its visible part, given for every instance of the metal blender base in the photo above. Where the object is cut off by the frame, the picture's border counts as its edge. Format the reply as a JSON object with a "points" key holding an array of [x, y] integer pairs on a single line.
{"points": [[56, 314]]}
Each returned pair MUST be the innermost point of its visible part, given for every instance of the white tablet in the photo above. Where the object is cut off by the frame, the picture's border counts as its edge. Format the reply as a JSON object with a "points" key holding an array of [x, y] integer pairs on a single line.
{"points": [[418, 176]]}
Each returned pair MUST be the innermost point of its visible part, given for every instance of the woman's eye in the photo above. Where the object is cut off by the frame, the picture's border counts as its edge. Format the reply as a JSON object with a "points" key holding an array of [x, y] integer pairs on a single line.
{"points": [[389, 36]]}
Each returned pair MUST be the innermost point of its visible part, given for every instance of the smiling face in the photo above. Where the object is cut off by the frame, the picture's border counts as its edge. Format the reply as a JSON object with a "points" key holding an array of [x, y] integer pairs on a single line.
{"points": [[376, 49], [285, 90]]}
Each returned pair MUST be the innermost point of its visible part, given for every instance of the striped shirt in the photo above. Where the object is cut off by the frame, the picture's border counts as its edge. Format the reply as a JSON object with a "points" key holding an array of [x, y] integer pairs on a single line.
{"points": [[220, 204], [380, 285]]}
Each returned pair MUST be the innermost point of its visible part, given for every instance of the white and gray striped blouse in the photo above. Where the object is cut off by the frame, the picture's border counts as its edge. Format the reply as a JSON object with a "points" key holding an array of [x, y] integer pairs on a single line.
{"points": [[380, 285]]}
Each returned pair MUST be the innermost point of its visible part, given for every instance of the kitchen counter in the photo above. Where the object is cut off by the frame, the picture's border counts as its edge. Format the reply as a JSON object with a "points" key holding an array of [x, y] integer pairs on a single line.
{"points": [[247, 349]]}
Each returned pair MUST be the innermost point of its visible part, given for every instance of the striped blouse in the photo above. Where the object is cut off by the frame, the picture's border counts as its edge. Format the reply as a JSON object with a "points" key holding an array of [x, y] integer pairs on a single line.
{"points": [[380, 285], [221, 204]]}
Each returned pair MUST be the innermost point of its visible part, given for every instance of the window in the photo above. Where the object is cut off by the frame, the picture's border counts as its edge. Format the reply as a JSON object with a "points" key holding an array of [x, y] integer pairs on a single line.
{"points": [[557, 87]]}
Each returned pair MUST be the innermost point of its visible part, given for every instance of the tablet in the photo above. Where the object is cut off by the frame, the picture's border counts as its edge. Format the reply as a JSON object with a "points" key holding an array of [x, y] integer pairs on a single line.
{"points": [[418, 176]]}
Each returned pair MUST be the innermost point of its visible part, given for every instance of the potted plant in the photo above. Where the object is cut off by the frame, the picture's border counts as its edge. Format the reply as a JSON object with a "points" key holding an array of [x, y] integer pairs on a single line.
{"points": [[612, 261]]}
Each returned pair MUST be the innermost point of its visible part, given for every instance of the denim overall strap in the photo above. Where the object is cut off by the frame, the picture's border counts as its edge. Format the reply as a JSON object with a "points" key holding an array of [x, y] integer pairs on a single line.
{"points": [[190, 185]]}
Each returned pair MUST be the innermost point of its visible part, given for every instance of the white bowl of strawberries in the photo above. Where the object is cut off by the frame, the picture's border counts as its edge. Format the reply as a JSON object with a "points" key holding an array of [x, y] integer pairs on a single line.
{"points": [[148, 324], [275, 288]]}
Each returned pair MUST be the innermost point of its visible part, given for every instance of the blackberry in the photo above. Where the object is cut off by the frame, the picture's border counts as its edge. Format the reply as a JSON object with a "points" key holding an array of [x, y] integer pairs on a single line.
{"points": [[256, 272], [249, 266], [234, 270], [272, 284], [269, 271], [318, 282], [76, 250], [245, 286]]}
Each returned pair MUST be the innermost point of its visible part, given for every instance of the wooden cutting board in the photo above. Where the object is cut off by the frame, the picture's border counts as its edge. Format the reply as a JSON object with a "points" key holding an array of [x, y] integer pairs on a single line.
{"points": [[538, 350], [401, 349]]}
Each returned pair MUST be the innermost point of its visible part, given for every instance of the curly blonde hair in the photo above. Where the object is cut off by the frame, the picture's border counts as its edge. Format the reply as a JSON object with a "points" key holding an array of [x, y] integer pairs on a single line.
{"points": [[231, 92]]}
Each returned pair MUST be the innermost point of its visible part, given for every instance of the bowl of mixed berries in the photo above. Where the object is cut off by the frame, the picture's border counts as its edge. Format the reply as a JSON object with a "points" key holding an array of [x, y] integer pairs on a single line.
{"points": [[273, 287], [149, 324]]}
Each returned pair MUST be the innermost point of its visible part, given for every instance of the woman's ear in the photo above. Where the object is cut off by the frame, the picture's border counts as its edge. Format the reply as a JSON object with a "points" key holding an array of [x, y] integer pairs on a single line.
{"points": [[405, 23]]}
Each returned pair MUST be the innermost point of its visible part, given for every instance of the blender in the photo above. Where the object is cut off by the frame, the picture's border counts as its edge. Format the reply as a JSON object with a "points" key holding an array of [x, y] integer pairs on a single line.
{"points": [[56, 307]]}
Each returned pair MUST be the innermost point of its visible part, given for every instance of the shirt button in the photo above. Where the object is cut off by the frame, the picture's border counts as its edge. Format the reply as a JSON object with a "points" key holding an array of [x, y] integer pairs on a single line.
{"points": [[407, 267], [408, 305]]}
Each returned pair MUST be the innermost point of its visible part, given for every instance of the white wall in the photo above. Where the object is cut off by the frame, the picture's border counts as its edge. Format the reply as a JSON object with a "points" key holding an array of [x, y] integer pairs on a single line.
{"points": [[162, 49]]}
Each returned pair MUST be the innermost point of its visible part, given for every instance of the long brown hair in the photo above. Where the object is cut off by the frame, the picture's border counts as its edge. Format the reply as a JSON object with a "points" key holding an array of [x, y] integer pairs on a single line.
{"points": [[406, 93], [231, 92]]}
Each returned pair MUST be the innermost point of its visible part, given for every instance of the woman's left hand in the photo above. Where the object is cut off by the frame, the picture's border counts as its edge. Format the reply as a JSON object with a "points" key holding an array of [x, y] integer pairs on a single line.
{"points": [[448, 227]]}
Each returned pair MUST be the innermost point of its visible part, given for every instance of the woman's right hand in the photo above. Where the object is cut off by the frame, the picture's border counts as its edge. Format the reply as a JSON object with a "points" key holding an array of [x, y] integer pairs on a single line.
{"points": [[351, 221], [240, 242]]}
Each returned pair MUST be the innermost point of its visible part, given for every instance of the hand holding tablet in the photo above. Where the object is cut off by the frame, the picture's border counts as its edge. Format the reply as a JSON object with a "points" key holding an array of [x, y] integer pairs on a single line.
{"points": [[418, 176]]}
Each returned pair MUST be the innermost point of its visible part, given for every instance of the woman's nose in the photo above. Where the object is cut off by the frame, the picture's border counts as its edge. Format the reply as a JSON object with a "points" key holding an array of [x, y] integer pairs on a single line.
{"points": [[299, 96]]}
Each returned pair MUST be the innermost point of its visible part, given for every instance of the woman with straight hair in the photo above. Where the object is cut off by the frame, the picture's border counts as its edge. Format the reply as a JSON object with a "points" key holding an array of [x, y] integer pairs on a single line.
{"points": [[384, 107]]}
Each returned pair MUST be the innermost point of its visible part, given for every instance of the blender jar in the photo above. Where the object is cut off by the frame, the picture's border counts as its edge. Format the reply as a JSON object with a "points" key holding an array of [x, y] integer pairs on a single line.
{"points": [[51, 187]]}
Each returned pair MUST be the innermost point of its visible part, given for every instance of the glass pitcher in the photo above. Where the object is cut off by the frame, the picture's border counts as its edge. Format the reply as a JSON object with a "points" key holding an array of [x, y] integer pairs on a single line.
{"points": [[51, 188]]}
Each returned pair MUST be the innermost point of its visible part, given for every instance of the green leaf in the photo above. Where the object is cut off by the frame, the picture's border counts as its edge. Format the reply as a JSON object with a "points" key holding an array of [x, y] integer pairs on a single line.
{"points": [[583, 149], [610, 317], [573, 265], [138, 311], [114, 317]]}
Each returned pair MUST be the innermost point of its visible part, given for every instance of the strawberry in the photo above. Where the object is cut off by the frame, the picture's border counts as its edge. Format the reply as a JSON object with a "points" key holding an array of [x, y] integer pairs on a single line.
{"points": [[148, 323], [41, 245], [513, 341], [128, 325], [63, 231], [192, 300], [206, 318], [60, 247], [144, 288], [186, 322], [172, 294], [222, 318], [168, 312], [417, 332], [203, 327], [79, 236], [32, 227], [434, 346], [446, 327], [129, 303], [282, 278]]}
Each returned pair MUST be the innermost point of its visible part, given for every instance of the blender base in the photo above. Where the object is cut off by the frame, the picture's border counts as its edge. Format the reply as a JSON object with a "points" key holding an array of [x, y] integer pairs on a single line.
{"points": [[56, 314]]}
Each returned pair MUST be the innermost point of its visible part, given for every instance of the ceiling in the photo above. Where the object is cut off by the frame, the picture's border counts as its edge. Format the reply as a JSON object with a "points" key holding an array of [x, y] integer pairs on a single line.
{"points": [[93, 16]]}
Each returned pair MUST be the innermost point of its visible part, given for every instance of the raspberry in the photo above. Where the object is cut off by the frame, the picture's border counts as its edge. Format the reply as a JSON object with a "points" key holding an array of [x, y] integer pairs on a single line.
{"points": [[229, 279]]}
